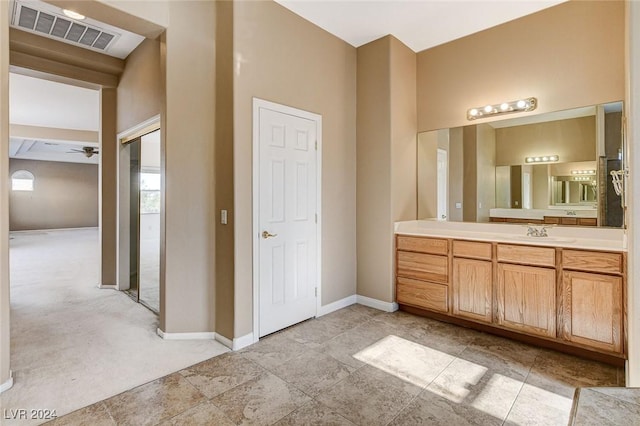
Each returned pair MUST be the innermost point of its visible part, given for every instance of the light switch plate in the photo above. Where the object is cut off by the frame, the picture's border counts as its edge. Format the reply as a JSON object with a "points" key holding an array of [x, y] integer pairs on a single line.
{"points": [[223, 217]]}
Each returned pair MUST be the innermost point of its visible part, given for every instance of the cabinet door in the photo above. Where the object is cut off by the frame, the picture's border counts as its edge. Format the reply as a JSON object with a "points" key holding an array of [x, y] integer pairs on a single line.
{"points": [[472, 289], [592, 310], [527, 299]]}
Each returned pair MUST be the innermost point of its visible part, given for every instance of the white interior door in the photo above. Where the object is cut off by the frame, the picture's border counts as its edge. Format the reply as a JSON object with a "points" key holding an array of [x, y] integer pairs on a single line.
{"points": [[287, 247], [442, 178]]}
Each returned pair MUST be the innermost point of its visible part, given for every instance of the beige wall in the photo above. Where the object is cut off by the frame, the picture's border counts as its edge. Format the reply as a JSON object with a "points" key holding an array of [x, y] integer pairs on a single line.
{"points": [[374, 223], [4, 195], [540, 182], [563, 61], [282, 58], [189, 135], [65, 195], [403, 132], [455, 174], [469, 173], [572, 140], [486, 168], [139, 91], [386, 160], [427, 174], [108, 187], [224, 307]]}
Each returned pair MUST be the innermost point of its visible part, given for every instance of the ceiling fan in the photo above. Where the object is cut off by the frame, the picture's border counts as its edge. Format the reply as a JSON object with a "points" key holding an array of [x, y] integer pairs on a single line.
{"points": [[88, 151]]}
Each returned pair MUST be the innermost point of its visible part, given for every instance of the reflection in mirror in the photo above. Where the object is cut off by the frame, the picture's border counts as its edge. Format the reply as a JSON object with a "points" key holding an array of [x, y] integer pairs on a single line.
{"points": [[545, 168]]}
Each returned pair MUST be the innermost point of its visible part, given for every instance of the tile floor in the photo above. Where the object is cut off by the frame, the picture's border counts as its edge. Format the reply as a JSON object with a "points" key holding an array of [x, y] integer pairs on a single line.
{"points": [[360, 366]]}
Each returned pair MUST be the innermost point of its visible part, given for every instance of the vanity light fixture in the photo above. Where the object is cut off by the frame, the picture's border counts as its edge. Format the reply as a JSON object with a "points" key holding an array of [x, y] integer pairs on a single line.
{"points": [[542, 159], [73, 15], [583, 172], [581, 178], [521, 105]]}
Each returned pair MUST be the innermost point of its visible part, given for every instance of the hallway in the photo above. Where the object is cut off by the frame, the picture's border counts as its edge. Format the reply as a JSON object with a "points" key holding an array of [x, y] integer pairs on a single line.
{"points": [[73, 344]]}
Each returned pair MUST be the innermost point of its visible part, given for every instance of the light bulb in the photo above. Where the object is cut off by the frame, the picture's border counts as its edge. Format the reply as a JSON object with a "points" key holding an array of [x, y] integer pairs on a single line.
{"points": [[521, 104], [73, 15], [488, 108], [504, 106], [473, 112]]}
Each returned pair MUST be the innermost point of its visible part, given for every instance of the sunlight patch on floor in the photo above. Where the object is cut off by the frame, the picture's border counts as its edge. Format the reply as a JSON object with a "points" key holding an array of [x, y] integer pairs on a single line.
{"points": [[497, 395], [409, 361], [463, 382], [457, 380]]}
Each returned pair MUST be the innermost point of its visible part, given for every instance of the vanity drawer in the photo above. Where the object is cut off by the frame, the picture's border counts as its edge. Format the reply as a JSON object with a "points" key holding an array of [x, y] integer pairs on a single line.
{"points": [[472, 249], [592, 261], [568, 221], [423, 245], [527, 255], [423, 266], [587, 221], [422, 294]]}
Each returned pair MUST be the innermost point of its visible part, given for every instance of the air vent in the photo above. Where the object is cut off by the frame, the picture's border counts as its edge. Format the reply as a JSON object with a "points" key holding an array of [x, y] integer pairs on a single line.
{"points": [[60, 27]]}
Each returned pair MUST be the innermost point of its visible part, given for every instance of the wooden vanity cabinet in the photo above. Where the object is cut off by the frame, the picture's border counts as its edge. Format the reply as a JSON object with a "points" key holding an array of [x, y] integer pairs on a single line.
{"points": [[570, 297], [592, 299], [422, 272], [472, 280]]}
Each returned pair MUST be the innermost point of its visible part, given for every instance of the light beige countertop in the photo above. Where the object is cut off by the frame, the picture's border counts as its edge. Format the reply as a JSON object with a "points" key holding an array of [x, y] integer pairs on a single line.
{"points": [[589, 238], [606, 406], [539, 214]]}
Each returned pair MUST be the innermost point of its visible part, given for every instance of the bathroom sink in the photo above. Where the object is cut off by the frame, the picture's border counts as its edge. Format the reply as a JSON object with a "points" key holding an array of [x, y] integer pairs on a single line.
{"points": [[545, 239]]}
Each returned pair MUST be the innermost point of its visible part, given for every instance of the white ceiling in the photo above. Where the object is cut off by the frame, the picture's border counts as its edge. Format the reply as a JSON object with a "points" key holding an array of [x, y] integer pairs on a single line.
{"points": [[420, 24], [37, 102], [43, 103]]}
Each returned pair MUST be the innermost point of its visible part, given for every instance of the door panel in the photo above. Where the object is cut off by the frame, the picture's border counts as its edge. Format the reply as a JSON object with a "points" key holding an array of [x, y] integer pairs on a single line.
{"points": [[527, 299], [593, 310], [287, 222], [472, 285]]}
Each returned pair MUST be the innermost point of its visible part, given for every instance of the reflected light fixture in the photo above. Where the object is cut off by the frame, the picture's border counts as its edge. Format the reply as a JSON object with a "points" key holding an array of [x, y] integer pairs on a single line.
{"points": [[581, 178], [521, 105], [583, 172], [542, 159], [73, 15]]}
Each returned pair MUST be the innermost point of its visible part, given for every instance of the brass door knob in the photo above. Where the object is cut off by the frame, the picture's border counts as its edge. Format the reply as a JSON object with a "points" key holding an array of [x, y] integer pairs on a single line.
{"points": [[266, 234]]}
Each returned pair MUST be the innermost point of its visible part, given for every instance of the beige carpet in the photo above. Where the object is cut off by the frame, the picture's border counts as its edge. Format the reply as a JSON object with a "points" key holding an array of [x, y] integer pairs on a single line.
{"points": [[73, 344]]}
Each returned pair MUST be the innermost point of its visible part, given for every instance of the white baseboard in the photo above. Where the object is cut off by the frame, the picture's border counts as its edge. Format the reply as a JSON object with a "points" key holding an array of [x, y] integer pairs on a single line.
{"points": [[338, 304], [237, 343], [225, 341], [377, 304], [243, 342], [8, 384], [187, 336], [108, 286]]}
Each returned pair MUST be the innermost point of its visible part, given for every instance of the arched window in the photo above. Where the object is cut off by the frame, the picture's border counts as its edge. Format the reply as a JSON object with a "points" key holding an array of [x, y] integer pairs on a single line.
{"points": [[22, 180]]}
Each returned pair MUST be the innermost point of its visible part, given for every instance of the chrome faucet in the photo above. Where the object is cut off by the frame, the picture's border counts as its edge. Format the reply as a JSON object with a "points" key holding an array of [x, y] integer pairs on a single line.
{"points": [[571, 213]]}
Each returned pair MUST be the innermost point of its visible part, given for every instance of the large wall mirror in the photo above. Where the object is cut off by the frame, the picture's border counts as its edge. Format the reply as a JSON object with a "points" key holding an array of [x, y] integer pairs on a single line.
{"points": [[552, 168]]}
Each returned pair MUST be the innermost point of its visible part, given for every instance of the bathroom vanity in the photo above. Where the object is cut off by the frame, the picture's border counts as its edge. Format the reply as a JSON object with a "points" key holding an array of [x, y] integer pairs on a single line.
{"points": [[565, 291]]}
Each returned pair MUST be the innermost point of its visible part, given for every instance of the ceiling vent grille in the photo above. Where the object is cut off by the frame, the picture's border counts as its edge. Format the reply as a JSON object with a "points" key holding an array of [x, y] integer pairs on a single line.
{"points": [[61, 28]]}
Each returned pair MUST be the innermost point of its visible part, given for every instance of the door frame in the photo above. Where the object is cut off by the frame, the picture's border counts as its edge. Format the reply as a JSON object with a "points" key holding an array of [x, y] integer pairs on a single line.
{"points": [[122, 238], [257, 104]]}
